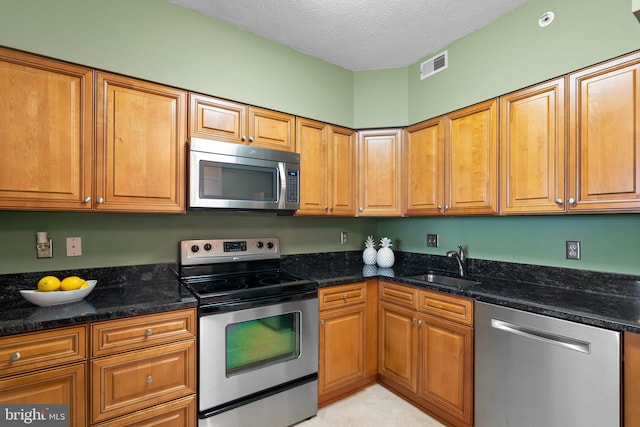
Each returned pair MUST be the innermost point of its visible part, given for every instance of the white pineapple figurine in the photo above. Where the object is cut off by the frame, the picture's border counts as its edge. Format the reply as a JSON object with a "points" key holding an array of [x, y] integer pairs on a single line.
{"points": [[369, 254], [385, 256]]}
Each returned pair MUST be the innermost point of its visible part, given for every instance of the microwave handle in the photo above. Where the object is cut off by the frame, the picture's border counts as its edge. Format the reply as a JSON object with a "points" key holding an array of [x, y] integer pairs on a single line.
{"points": [[282, 184]]}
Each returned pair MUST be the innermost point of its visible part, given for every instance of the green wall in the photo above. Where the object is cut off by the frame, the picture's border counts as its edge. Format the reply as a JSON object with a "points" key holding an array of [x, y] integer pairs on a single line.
{"points": [[159, 41]]}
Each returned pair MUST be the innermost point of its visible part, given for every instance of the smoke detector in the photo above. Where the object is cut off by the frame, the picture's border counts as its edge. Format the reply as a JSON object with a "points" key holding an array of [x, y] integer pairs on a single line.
{"points": [[434, 65], [546, 19]]}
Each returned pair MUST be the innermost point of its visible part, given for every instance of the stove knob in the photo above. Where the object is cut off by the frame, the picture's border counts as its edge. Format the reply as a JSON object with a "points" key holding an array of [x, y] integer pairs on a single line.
{"points": [[195, 248], [270, 245], [207, 246], [260, 245]]}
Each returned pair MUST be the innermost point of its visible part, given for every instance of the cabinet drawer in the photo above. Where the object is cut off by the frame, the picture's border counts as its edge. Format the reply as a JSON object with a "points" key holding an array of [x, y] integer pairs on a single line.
{"points": [[36, 350], [178, 413], [455, 308], [398, 294], [342, 296], [142, 331], [129, 382]]}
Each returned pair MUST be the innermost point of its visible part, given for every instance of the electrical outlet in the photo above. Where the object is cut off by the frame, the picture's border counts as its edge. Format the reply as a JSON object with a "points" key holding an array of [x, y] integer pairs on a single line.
{"points": [[432, 240], [343, 237], [74, 246], [573, 249]]}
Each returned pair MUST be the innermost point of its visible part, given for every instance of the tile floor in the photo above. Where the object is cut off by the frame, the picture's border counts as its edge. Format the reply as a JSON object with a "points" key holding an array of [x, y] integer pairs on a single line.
{"points": [[375, 406]]}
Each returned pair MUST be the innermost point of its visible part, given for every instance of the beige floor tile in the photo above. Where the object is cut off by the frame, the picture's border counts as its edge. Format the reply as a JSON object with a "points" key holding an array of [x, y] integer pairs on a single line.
{"points": [[374, 406]]}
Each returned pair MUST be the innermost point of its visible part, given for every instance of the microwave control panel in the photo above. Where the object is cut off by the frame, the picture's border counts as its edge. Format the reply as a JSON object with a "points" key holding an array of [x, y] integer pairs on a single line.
{"points": [[292, 186]]}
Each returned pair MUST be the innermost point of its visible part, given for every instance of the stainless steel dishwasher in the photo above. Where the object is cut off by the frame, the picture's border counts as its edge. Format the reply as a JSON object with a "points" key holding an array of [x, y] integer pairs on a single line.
{"points": [[537, 371]]}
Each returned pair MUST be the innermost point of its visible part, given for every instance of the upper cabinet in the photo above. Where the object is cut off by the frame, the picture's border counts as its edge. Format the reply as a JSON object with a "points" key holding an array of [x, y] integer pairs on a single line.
{"points": [[471, 160], [221, 120], [532, 147], [140, 146], [452, 163], [380, 172], [46, 126], [604, 136], [327, 164]]}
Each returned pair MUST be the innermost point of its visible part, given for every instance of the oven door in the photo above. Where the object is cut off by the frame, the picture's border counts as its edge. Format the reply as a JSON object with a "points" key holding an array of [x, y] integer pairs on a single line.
{"points": [[247, 351]]}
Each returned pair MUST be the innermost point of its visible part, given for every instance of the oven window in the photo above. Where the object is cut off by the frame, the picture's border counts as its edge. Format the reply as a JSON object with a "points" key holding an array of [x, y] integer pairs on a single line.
{"points": [[237, 182], [262, 342]]}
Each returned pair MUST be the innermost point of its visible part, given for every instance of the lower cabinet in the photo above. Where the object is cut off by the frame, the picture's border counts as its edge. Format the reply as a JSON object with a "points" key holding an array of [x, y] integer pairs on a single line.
{"points": [[426, 350], [143, 370], [348, 334], [47, 367], [631, 379]]}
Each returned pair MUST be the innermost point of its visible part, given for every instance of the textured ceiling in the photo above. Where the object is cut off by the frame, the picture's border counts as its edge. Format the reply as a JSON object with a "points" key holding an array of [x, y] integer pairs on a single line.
{"points": [[358, 34]]}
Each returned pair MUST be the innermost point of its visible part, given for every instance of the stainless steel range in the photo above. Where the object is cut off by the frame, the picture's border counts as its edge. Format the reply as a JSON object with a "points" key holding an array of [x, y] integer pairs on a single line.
{"points": [[258, 334]]}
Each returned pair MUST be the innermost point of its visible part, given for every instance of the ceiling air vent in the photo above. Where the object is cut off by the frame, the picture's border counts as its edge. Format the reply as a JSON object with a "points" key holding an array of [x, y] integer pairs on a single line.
{"points": [[434, 65]]}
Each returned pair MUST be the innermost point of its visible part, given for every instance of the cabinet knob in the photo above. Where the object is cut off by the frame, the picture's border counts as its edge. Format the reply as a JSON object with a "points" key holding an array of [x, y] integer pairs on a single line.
{"points": [[148, 332], [149, 379], [345, 296], [439, 207], [100, 200], [361, 209], [251, 139], [243, 138], [322, 322], [326, 208], [413, 321], [87, 199], [15, 356], [419, 322], [446, 207], [331, 209], [559, 201], [572, 201]]}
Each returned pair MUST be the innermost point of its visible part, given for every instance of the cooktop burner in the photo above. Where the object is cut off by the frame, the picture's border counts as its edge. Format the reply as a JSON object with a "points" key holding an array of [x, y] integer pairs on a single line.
{"points": [[236, 271]]}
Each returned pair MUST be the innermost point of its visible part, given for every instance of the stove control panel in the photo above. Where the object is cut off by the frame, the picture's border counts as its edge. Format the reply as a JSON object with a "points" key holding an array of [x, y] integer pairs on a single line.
{"points": [[212, 251]]}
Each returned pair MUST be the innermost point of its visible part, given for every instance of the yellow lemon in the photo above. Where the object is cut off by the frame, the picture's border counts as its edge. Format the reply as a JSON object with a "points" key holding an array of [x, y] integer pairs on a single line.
{"points": [[71, 283], [48, 284], [84, 285]]}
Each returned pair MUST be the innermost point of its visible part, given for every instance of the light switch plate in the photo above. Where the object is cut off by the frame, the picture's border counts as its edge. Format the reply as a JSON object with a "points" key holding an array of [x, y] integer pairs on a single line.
{"points": [[74, 246]]}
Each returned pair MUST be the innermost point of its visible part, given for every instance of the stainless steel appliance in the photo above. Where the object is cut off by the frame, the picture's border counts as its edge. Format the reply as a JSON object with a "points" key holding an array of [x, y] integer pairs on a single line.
{"points": [[534, 371], [257, 336], [236, 176]]}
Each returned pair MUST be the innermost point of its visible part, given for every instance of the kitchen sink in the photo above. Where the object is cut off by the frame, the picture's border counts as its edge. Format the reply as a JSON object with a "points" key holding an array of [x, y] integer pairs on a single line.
{"points": [[458, 282]]}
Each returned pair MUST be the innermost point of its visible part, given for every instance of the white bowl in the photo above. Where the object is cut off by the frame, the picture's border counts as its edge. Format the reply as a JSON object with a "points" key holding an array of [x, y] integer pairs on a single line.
{"points": [[45, 299]]}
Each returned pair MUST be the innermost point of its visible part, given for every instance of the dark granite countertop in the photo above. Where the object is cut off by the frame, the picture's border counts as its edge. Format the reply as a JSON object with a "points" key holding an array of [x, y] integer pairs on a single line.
{"points": [[606, 300], [120, 292]]}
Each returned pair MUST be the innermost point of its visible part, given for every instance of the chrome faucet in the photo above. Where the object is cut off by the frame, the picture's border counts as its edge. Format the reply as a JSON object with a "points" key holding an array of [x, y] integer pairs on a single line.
{"points": [[461, 258]]}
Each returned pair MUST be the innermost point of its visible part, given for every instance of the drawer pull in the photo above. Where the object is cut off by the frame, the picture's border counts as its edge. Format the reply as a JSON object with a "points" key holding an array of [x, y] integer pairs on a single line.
{"points": [[149, 379], [148, 332], [15, 356], [345, 296]]}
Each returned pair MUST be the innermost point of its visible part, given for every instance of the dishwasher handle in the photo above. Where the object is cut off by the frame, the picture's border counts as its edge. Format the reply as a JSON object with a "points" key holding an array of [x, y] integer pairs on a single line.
{"points": [[548, 337]]}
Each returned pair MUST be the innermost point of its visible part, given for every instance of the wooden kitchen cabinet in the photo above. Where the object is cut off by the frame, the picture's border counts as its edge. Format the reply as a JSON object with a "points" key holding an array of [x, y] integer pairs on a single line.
{"points": [[143, 370], [424, 167], [452, 163], [46, 131], [221, 120], [328, 164], [604, 137], [379, 155], [426, 350], [533, 146], [631, 379], [348, 339], [47, 367], [140, 146]]}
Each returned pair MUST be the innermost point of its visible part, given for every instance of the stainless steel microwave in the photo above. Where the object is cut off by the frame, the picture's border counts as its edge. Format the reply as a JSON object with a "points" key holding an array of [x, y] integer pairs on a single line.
{"points": [[235, 176]]}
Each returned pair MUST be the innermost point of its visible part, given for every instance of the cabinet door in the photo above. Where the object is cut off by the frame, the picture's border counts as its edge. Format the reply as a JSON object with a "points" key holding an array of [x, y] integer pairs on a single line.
{"points": [[379, 172], [471, 186], [46, 127], [424, 168], [312, 145], [605, 137], [398, 351], [631, 379], [342, 347], [532, 147], [54, 386], [341, 154], [177, 413], [140, 146], [217, 119], [446, 374], [271, 129]]}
